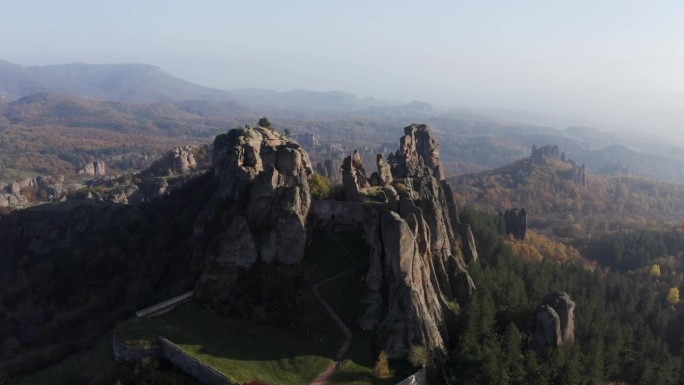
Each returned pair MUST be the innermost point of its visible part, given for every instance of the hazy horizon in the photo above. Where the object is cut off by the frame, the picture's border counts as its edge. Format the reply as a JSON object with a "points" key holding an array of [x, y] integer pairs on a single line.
{"points": [[613, 65]]}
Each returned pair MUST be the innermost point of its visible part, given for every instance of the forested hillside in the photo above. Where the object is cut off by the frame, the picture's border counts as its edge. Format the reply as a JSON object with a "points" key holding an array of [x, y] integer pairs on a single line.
{"points": [[628, 326], [555, 201]]}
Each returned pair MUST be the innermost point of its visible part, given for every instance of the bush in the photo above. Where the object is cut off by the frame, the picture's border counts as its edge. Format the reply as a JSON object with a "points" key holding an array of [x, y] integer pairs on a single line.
{"points": [[320, 186], [264, 122], [381, 369], [418, 356]]}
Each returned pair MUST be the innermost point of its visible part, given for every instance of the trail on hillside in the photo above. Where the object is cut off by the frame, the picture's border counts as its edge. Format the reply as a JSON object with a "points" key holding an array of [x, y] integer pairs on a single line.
{"points": [[322, 378]]}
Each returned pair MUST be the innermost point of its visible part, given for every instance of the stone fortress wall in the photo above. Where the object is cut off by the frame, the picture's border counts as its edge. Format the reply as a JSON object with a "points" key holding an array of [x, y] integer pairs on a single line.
{"points": [[418, 378]]}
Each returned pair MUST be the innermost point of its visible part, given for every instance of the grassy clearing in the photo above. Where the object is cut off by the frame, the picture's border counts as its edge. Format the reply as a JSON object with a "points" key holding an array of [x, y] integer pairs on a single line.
{"points": [[241, 349], [246, 351], [346, 295]]}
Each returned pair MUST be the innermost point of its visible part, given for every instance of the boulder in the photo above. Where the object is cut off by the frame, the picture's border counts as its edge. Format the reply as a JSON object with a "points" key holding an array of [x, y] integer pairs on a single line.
{"points": [[554, 323], [96, 168]]}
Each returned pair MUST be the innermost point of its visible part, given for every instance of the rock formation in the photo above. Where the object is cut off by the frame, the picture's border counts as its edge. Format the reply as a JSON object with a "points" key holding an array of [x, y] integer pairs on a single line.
{"points": [[547, 151], [354, 177], [40, 188], [96, 168], [541, 154], [384, 171], [307, 139], [579, 173], [516, 223], [183, 159], [413, 233], [331, 169], [262, 198], [554, 323]]}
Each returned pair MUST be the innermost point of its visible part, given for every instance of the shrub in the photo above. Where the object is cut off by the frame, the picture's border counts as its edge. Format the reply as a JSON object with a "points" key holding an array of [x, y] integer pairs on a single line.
{"points": [[320, 186], [418, 356], [381, 369], [264, 122]]}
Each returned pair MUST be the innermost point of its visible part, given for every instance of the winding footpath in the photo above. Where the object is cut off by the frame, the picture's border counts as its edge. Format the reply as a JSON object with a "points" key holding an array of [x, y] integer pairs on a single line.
{"points": [[335, 365]]}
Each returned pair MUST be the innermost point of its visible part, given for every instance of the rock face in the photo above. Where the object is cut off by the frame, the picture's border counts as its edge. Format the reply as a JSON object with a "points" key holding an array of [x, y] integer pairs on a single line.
{"points": [[42, 188], [547, 151], [330, 168], [308, 139], [554, 323], [353, 177], [384, 171], [12, 200], [183, 159], [418, 154], [180, 160], [96, 168], [413, 232], [579, 173], [516, 223], [262, 191]]}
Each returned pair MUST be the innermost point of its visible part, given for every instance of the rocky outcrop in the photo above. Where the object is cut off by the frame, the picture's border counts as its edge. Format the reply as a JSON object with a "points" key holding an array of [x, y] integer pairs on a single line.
{"points": [[577, 173], [29, 190], [172, 171], [547, 151], [331, 169], [414, 314], [308, 139], [516, 223], [96, 168], [384, 171], [180, 160], [413, 232], [12, 200], [262, 195], [554, 323], [183, 159], [354, 178], [418, 154]]}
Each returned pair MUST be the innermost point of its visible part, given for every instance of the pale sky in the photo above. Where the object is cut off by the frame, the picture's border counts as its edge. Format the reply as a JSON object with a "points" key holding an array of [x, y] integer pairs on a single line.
{"points": [[612, 62]]}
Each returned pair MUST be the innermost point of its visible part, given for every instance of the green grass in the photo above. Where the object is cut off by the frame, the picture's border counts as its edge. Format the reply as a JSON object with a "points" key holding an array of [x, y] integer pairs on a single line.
{"points": [[246, 351], [241, 349], [346, 295]]}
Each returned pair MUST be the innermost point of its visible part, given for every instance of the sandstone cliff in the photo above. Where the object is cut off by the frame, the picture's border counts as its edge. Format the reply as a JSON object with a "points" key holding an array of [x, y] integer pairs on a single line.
{"points": [[416, 241], [262, 200]]}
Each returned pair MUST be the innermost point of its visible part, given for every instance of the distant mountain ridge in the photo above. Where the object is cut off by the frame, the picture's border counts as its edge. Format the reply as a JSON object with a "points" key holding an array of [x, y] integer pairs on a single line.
{"points": [[114, 82], [144, 83], [134, 97]]}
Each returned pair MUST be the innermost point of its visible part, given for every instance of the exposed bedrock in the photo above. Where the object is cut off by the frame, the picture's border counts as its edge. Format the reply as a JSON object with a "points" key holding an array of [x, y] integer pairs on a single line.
{"points": [[262, 199], [417, 243]]}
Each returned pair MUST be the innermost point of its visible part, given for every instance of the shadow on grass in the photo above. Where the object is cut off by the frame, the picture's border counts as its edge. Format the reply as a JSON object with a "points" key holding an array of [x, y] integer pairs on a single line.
{"points": [[247, 351]]}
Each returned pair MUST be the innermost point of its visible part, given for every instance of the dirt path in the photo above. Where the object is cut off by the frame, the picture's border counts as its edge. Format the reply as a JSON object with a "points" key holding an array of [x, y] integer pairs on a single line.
{"points": [[322, 378]]}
